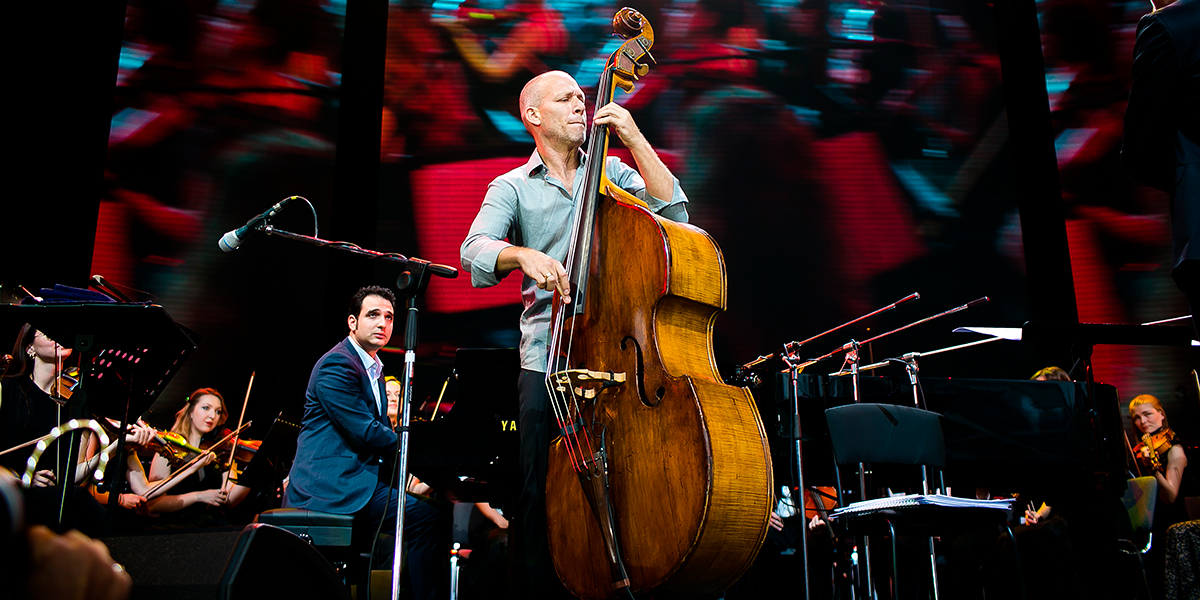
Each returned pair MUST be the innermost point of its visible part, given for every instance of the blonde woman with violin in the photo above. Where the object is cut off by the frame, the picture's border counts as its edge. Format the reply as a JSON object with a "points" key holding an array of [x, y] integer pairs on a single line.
{"points": [[1160, 455], [206, 488]]}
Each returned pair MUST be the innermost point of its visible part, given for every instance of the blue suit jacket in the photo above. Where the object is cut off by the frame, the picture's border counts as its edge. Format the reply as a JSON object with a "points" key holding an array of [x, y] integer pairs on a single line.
{"points": [[343, 438]]}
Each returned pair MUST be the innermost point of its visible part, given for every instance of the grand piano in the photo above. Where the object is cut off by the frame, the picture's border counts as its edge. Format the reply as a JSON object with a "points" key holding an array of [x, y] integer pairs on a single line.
{"points": [[470, 454]]}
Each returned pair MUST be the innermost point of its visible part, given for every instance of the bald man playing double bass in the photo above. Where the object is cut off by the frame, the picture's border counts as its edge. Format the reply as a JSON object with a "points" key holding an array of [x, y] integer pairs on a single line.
{"points": [[532, 207]]}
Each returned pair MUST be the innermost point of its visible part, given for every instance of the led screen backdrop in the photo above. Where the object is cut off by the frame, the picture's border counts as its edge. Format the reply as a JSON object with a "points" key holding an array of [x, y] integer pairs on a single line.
{"points": [[842, 154]]}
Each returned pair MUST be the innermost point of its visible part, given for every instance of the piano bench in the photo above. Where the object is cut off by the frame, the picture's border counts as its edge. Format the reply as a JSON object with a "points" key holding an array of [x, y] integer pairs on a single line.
{"points": [[322, 529]]}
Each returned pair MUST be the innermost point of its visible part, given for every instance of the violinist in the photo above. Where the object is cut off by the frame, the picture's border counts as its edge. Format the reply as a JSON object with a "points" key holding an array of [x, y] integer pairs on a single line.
{"points": [[1038, 510], [31, 405], [1051, 374], [532, 206], [205, 489], [141, 490], [1159, 454], [394, 392]]}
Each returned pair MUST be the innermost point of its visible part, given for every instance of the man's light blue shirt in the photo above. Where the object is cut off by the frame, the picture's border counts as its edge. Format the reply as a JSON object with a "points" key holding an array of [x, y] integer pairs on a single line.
{"points": [[529, 208], [374, 370]]}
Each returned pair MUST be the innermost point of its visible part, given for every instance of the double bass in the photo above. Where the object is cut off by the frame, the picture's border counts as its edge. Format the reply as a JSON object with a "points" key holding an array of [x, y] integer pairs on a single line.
{"points": [[660, 484]]}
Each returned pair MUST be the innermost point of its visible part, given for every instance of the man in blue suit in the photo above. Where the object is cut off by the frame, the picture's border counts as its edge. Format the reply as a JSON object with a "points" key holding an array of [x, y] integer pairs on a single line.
{"points": [[346, 439]]}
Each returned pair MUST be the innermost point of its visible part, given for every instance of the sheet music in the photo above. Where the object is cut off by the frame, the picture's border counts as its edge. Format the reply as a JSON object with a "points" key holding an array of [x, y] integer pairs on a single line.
{"points": [[922, 500]]}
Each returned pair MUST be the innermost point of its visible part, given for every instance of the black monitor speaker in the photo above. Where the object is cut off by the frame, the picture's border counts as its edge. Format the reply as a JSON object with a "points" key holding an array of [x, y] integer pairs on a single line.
{"points": [[259, 561]]}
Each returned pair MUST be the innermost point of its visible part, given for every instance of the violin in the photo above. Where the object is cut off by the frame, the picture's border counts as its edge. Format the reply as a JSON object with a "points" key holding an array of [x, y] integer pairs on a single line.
{"points": [[219, 448], [244, 451], [67, 383], [177, 450], [1159, 443]]}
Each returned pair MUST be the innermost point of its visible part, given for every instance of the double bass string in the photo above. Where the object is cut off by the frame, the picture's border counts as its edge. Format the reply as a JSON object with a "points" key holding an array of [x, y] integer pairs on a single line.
{"points": [[568, 411]]}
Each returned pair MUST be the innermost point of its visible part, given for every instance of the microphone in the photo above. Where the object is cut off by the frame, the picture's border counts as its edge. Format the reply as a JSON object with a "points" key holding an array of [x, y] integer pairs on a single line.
{"points": [[232, 239]]}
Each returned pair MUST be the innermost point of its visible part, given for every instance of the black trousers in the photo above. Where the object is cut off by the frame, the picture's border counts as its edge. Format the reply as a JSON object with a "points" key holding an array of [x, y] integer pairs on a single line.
{"points": [[426, 532], [537, 427]]}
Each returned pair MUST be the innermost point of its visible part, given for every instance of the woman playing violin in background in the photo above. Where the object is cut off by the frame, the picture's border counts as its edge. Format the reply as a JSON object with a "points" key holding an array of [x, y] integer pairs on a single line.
{"points": [[208, 485], [1160, 455], [31, 405]]}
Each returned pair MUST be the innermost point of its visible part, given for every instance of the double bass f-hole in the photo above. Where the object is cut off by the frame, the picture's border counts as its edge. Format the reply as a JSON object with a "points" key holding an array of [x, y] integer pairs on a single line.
{"points": [[640, 374]]}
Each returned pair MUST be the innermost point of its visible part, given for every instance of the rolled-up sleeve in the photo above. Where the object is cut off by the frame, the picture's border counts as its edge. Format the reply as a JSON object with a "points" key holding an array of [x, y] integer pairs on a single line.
{"points": [[488, 232], [628, 179]]}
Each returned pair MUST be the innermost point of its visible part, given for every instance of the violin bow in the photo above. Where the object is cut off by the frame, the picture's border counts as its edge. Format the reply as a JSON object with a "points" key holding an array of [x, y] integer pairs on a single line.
{"points": [[26, 444], [438, 404], [233, 470]]}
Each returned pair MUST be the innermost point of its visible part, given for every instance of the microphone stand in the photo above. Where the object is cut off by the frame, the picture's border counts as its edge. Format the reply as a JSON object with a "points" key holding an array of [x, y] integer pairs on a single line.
{"points": [[788, 356], [790, 348], [411, 283], [405, 261], [411, 286]]}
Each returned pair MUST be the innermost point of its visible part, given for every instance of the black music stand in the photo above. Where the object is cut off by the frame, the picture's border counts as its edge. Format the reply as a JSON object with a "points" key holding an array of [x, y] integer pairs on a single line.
{"points": [[274, 455], [128, 351]]}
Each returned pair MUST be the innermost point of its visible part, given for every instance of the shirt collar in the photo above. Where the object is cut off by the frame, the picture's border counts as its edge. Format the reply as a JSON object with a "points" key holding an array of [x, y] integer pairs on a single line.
{"points": [[374, 366], [535, 164]]}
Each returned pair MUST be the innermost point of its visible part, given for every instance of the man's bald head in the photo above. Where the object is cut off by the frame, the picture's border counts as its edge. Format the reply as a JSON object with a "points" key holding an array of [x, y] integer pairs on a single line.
{"points": [[552, 110], [535, 91]]}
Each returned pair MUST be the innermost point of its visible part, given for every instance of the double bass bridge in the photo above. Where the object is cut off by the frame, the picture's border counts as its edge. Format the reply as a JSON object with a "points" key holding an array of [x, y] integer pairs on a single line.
{"points": [[585, 383]]}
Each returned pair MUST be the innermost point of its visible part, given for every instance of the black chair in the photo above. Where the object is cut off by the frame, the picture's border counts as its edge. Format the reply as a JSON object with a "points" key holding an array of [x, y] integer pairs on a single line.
{"points": [[892, 434]]}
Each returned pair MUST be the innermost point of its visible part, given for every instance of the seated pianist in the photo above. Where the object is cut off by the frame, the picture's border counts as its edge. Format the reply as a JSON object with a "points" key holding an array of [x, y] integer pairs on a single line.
{"points": [[346, 441]]}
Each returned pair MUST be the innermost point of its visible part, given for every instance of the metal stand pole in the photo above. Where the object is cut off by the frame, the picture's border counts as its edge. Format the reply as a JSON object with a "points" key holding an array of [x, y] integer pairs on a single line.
{"points": [[795, 375], [910, 367], [852, 356], [412, 287]]}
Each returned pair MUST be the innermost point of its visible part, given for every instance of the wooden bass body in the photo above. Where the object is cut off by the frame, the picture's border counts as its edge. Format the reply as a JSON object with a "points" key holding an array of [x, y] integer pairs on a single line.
{"points": [[689, 470]]}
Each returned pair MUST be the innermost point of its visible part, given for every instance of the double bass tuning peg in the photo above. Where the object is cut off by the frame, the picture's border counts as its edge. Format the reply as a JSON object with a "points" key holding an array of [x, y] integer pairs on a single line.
{"points": [[642, 67]]}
